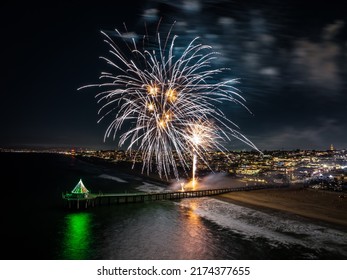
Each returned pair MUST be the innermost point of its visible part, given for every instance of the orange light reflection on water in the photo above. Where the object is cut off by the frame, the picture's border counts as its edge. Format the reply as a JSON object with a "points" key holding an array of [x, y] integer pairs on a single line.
{"points": [[193, 232]]}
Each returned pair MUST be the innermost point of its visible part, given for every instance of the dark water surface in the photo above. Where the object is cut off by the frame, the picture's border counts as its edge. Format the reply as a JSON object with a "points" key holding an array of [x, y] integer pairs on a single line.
{"points": [[36, 225]]}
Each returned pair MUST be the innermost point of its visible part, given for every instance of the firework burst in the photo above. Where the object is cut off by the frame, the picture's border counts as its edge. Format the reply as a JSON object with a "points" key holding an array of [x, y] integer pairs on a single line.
{"points": [[167, 103]]}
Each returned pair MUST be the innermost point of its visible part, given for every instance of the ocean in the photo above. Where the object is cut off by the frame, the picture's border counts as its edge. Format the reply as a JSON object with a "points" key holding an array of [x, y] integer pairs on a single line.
{"points": [[35, 225]]}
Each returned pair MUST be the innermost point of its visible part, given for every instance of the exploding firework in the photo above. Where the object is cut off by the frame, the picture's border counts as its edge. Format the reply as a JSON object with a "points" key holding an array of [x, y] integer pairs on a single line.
{"points": [[165, 104], [201, 137]]}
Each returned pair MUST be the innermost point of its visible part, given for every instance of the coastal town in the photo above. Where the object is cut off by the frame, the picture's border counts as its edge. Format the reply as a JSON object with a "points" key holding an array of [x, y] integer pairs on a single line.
{"points": [[326, 169]]}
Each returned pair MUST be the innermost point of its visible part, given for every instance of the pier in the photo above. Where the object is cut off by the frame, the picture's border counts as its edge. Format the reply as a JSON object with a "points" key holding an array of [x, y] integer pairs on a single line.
{"points": [[92, 200]]}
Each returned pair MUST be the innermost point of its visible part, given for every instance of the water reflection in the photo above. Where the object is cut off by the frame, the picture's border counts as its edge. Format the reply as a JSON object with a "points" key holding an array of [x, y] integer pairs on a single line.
{"points": [[193, 222], [196, 240], [162, 230], [77, 236]]}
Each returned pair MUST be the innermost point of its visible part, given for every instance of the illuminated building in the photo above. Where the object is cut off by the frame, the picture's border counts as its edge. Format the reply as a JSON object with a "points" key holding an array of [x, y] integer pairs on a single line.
{"points": [[80, 190]]}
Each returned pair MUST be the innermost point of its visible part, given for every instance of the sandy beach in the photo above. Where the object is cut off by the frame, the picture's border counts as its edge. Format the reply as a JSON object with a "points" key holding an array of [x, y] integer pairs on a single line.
{"points": [[321, 205], [315, 204]]}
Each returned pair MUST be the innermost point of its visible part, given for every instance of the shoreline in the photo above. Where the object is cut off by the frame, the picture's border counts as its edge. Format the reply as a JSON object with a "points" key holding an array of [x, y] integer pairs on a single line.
{"points": [[321, 206], [317, 205]]}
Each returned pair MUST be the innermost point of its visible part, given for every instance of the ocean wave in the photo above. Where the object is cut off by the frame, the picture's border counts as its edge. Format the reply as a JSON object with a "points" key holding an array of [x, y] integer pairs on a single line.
{"points": [[151, 188], [109, 177], [275, 227]]}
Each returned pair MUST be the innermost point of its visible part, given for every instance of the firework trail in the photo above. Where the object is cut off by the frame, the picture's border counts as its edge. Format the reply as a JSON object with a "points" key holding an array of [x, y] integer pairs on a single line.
{"points": [[167, 103], [200, 137]]}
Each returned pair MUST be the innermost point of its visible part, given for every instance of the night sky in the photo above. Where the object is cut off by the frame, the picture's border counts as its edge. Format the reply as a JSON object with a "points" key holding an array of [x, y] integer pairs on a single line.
{"points": [[291, 60]]}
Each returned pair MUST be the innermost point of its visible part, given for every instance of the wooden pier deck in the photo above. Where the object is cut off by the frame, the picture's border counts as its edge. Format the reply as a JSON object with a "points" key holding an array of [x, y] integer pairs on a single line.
{"points": [[93, 200]]}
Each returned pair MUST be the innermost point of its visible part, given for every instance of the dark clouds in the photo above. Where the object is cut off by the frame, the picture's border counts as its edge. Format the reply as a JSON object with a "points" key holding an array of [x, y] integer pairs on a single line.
{"points": [[291, 59]]}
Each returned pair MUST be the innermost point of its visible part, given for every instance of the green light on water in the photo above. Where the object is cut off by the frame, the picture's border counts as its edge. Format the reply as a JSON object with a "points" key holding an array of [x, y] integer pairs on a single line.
{"points": [[77, 236]]}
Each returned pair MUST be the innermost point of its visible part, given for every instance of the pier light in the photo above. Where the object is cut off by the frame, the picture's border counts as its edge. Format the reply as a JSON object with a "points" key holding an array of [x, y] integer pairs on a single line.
{"points": [[80, 189]]}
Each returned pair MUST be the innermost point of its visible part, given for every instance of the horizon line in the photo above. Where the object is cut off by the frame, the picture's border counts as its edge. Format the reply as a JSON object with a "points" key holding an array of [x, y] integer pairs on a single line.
{"points": [[81, 148]]}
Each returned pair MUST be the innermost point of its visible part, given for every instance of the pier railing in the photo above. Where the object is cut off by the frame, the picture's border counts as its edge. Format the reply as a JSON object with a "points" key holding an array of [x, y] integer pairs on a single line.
{"points": [[92, 200]]}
